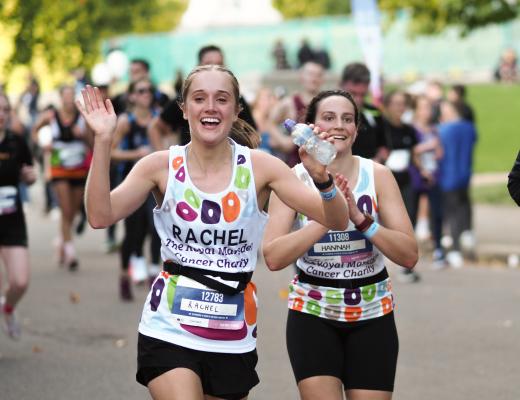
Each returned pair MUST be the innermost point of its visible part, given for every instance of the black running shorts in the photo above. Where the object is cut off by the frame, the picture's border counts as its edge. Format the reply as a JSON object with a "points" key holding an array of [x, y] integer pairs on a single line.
{"points": [[224, 375], [362, 354]]}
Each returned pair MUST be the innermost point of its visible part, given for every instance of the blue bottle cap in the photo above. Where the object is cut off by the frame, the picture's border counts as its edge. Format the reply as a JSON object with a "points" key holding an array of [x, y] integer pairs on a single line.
{"points": [[289, 124]]}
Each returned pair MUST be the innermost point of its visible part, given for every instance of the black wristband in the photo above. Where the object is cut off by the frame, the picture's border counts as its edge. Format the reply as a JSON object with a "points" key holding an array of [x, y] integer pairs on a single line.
{"points": [[324, 185]]}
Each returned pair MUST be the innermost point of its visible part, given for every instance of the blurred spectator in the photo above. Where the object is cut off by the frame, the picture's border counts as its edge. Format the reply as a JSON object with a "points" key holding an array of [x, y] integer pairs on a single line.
{"points": [[513, 184], [305, 53], [424, 173], [371, 141], [171, 125], [295, 107], [261, 107], [435, 92], [402, 141], [507, 70], [457, 94], [27, 107], [321, 56], [280, 55], [139, 69], [458, 138]]}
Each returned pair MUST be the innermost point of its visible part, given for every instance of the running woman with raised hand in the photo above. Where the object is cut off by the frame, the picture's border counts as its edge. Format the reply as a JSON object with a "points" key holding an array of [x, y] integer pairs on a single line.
{"points": [[197, 335], [341, 334]]}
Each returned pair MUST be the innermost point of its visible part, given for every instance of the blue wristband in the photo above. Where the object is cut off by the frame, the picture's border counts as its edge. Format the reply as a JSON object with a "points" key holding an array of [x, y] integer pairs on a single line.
{"points": [[328, 196], [372, 230]]}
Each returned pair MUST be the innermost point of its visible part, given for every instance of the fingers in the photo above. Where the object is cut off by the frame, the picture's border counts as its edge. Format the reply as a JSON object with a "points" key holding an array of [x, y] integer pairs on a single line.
{"points": [[80, 108], [86, 101], [99, 98], [109, 106], [92, 97]]}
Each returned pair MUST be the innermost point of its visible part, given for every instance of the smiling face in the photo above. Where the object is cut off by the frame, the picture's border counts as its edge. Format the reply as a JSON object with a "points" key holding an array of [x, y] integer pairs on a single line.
{"points": [[336, 115], [210, 105]]}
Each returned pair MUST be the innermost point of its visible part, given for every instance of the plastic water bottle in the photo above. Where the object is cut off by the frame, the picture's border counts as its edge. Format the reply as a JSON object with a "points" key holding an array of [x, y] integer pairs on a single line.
{"points": [[302, 135]]}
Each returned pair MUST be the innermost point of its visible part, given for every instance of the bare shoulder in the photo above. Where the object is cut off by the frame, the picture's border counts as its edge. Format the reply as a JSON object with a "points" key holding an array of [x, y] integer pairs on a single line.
{"points": [[381, 173], [266, 167]]}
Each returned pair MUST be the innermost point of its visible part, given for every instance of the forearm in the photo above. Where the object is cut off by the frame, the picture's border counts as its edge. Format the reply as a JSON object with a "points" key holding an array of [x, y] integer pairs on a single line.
{"points": [[335, 212], [125, 155], [97, 194], [284, 250], [398, 247]]}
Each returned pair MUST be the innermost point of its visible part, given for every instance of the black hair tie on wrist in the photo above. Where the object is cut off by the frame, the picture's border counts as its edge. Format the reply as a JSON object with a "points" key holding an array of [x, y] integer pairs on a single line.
{"points": [[326, 184]]}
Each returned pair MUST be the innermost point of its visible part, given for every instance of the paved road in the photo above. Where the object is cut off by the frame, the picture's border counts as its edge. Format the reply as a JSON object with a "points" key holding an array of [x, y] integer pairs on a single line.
{"points": [[459, 332]]}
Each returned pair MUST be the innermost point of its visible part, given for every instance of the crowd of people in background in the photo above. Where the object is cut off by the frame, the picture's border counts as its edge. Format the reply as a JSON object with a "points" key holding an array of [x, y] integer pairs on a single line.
{"points": [[406, 157], [425, 137]]}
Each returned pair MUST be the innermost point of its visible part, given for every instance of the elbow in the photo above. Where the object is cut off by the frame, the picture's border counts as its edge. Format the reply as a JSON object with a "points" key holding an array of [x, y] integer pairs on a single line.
{"points": [[272, 262], [410, 261], [97, 223]]}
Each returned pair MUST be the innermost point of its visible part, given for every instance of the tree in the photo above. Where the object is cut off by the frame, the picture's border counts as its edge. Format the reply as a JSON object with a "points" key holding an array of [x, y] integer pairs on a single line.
{"points": [[67, 34], [427, 16]]}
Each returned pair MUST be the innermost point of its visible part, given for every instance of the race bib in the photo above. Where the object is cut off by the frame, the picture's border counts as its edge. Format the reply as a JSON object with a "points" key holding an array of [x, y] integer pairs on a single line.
{"points": [[398, 160], [69, 155], [197, 305], [349, 246], [8, 200]]}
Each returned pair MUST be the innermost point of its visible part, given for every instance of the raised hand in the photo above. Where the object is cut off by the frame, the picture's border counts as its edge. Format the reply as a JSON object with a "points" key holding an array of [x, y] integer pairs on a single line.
{"points": [[356, 216], [99, 115]]}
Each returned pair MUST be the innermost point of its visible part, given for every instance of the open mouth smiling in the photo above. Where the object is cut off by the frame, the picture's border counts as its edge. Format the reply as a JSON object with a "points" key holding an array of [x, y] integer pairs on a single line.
{"points": [[210, 121]]}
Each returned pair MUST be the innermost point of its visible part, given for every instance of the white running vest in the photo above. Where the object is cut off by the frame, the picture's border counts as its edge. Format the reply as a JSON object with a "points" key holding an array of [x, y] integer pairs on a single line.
{"points": [[343, 255], [346, 254], [217, 232]]}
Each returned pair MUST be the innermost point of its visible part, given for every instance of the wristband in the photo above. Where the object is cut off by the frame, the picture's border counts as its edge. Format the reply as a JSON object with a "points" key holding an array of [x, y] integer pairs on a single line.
{"points": [[324, 185], [371, 231], [328, 196], [365, 224]]}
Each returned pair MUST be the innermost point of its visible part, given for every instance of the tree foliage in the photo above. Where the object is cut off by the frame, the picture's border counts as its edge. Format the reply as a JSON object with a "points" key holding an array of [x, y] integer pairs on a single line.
{"points": [[67, 34], [305, 8], [428, 16], [433, 16]]}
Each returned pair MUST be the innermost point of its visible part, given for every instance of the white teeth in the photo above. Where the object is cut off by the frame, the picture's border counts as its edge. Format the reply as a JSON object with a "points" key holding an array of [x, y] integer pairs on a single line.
{"points": [[340, 137], [210, 120]]}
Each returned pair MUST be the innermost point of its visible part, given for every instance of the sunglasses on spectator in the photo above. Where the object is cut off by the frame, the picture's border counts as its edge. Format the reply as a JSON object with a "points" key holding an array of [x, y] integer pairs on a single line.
{"points": [[143, 90]]}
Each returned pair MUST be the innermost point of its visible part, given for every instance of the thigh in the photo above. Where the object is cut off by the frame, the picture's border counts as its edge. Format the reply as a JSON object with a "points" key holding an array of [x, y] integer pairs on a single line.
{"points": [[371, 355], [314, 346], [178, 383]]}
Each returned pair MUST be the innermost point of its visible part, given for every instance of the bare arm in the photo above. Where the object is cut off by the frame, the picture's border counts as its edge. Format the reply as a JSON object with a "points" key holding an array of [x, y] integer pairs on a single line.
{"points": [[43, 119], [395, 237], [281, 247], [274, 174], [105, 208]]}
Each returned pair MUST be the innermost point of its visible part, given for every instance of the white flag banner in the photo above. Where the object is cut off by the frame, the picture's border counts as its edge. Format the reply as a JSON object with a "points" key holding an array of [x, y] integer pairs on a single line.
{"points": [[367, 21]]}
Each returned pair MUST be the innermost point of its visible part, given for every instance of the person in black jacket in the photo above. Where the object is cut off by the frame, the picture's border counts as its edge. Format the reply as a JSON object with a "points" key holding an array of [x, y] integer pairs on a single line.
{"points": [[513, 183]]}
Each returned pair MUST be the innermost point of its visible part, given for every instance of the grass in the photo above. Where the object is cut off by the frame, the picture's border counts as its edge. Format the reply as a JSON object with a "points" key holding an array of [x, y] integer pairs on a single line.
{"points": [[495, 194], [497, 110]]}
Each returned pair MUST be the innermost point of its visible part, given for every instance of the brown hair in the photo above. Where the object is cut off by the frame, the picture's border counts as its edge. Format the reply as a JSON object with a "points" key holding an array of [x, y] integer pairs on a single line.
{"points": [[241, 132]]}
